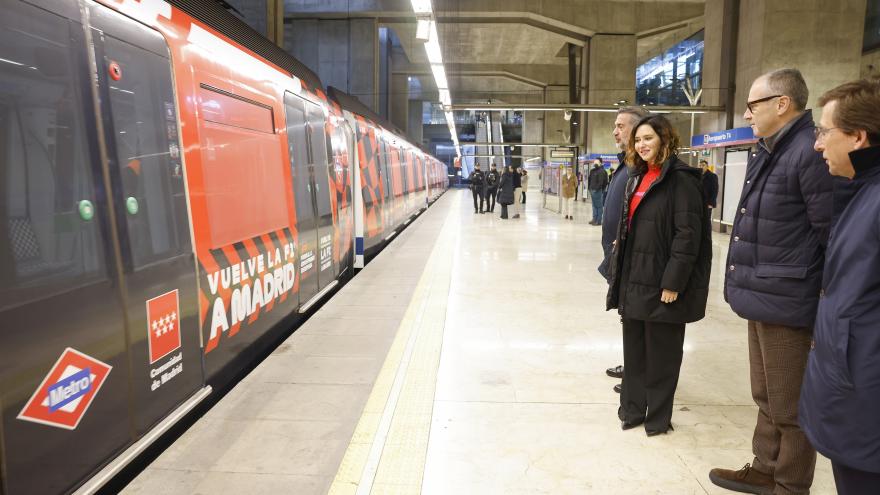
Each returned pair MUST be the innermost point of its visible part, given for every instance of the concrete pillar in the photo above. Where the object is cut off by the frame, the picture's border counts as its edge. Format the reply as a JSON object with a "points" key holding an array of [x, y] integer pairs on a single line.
{"points": [[612, 77], [771, 36], [399, 101], [344, 53]]}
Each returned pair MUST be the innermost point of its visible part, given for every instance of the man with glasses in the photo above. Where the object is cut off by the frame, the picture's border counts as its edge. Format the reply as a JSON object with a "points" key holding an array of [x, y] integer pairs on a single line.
{"points": [[627, 118], [773, 277], [840, 400]]}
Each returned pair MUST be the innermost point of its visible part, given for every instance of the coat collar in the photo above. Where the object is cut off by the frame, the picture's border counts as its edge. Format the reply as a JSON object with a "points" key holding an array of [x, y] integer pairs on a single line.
{"points": [[773, 143], [866, 161]]}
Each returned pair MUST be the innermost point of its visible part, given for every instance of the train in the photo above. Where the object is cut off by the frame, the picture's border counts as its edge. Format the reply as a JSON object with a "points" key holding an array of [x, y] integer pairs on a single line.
{"points": [[177, 193]]}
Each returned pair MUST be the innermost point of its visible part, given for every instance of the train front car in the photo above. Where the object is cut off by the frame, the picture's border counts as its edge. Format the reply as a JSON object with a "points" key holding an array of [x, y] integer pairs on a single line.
{"points": [[127, 147]]}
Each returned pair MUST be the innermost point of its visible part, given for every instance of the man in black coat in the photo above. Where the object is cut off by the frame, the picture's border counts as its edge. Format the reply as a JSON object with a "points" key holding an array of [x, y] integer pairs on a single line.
{"points": [[710, 185], [478, 187], [493, 177], [627, 117], [597, 183], [773, 278]]}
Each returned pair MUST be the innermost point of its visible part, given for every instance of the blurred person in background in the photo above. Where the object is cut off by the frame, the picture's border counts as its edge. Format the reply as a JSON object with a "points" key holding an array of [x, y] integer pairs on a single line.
{"points": [[597, 183], [569, 188]]}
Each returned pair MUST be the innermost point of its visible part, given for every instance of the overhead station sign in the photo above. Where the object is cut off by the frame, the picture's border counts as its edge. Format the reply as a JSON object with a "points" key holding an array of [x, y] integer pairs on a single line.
{"points": [[66, 393], [721, 139], [562, 153]]}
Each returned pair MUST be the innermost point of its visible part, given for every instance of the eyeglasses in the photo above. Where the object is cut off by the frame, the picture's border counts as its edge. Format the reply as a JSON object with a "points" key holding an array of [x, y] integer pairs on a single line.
{"points": [[750, 105], [821, 132]]}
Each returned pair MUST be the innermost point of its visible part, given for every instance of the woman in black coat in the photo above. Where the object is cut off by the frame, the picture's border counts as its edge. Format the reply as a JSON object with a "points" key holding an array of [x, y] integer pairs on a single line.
{"points": [[505, 190], [660, 272]]}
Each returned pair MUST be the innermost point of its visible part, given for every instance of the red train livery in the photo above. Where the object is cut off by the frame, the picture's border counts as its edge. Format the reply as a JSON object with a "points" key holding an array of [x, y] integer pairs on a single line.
{"points": [[171, 202]]}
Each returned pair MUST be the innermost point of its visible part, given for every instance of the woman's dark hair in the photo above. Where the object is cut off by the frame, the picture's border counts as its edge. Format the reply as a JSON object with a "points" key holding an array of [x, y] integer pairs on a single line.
{"points": [[668, 141]]}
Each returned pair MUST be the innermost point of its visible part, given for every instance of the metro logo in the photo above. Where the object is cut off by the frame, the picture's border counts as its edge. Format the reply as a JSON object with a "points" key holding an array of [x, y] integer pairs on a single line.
{"points": [[69, 389], [66, 393]]}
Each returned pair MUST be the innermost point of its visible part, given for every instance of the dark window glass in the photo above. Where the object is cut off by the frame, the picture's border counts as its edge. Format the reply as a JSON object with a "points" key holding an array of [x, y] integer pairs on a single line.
{"points": [[145, 132], [659, 81], [46, 245], [298, 148], [319, 143], [383, 167]]}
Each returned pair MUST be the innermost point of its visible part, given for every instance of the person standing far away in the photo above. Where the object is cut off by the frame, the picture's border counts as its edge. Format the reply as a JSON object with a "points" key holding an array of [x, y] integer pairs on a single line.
{"points": [[627, 117], [478, 187], [597, 183], [660, 267], [517, 190], [710, 185], [493, 177], [505, 190], [569, 187], [773, 277], [840, 399], [524, 180]]}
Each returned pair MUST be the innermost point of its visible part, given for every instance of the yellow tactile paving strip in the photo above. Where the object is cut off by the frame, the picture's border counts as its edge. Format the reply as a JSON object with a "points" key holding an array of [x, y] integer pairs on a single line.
{"points": [[389, 445]]}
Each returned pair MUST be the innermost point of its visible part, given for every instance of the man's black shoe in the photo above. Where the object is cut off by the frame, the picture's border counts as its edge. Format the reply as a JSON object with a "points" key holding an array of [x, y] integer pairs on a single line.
{"points": [[615, 372], [618, 387]]}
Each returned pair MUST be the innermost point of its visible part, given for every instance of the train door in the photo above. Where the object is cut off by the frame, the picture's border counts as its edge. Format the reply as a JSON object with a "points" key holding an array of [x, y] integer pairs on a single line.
{"points": [[307, 144], [301, 171], [64, 388], [385, 179], [139, 117]]}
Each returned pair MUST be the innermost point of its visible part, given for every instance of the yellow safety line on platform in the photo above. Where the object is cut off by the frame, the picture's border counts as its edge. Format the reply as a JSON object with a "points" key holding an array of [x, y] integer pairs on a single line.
{"points": [[389, 445]]}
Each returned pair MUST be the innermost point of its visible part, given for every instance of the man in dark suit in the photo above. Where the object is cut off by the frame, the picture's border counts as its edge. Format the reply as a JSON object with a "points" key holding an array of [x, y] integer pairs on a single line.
{"points": [[710, 185]]}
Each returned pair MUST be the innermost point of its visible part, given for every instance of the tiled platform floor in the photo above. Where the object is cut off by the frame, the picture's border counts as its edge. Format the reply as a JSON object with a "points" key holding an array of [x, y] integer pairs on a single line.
{"points": [[469, 358]]}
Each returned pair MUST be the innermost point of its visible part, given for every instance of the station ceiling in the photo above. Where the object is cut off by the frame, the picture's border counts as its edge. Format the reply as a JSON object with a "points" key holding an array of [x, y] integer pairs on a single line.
{"points": [[513, 51]]}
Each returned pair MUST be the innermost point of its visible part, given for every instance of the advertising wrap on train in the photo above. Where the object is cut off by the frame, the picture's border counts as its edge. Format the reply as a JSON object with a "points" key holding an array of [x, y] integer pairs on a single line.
{"points": [[254, 284]]}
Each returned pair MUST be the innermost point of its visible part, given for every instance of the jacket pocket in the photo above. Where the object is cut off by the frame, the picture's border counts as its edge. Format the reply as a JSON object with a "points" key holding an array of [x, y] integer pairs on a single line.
{"points": [[776, 270], [839, 368]]}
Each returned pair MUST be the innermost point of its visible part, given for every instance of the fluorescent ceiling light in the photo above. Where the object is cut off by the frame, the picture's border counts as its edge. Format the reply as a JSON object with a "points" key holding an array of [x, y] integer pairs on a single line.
{"points": [[423, 30], [445, 98], [421, 6], [432, 48], [440, 76]]}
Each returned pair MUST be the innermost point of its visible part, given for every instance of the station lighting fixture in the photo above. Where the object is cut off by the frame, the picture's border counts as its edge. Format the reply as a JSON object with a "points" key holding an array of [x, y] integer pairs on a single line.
{"points": [[426, 31], [423, 29], [445, 98], [440, 76], [422, 7]]}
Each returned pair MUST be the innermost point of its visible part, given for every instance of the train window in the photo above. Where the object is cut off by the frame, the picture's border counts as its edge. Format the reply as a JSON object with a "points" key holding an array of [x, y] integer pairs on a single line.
{"points": [[365, 143], [319, 142], [221, 107], [147, 154], [50, 241], [383, 163]]}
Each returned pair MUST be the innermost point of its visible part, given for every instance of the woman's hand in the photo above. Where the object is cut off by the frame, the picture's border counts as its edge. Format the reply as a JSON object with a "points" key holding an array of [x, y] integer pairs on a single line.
{"points": [[668, 296]]}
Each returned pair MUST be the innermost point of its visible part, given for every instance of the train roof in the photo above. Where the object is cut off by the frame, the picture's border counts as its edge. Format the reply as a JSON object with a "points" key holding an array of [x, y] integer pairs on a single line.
{"points": [[354, 105], [212, 14]]}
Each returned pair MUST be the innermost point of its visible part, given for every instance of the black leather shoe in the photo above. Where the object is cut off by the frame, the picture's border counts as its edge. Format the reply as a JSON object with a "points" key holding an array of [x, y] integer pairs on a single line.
{"points": [[618, 387], [626, 425], [615, 372], [653, 433]]}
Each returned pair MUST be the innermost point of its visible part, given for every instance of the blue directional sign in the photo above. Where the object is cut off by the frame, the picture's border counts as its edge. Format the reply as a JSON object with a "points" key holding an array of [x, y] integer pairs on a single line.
{"points": [[720, 139]]}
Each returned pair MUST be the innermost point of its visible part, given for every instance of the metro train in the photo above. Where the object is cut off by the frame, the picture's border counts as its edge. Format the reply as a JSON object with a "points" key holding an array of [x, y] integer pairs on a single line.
{"points": [[175, 195]]}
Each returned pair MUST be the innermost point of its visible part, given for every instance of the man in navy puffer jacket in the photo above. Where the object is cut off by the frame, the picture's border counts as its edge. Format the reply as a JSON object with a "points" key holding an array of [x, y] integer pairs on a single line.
{"points": [[773, 277]]}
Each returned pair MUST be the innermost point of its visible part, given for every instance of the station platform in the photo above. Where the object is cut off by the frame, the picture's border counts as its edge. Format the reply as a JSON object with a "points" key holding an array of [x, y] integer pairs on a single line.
{"points": [[469, 357]]}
